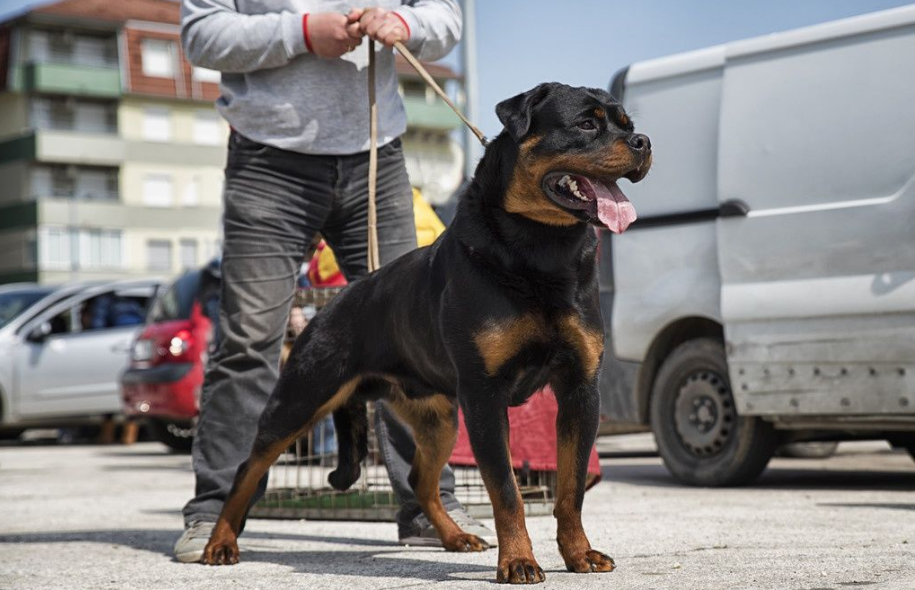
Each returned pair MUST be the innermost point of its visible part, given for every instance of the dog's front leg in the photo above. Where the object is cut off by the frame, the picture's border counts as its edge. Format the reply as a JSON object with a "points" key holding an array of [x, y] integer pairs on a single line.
{"points": [[576, 428], [487, 427]]}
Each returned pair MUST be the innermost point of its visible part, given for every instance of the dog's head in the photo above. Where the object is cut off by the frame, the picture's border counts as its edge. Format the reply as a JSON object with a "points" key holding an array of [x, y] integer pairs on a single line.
{"points": [[573, 145]]}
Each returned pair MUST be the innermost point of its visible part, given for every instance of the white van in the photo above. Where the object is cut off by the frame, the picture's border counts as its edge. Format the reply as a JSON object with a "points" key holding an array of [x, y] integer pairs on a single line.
{"points": [[767, 292]]}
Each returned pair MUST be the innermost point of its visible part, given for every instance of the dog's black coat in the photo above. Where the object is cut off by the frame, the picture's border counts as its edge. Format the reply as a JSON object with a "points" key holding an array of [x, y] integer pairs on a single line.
{"points": [[481, 317]]}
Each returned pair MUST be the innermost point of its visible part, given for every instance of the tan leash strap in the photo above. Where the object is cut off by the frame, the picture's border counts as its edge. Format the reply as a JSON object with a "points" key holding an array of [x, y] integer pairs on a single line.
{"points": [[373, 261], [438, 90], [373, 258]]}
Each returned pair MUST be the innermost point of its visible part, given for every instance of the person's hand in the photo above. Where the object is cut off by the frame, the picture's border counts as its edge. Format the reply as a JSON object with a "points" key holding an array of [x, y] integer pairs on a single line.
{"points": [[383, 26], [331, 34]]}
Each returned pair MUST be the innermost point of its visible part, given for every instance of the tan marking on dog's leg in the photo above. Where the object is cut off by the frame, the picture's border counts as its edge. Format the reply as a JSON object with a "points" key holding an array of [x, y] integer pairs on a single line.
{"points": [[570, 534], [517, 564], [498, 342], [222, 548], [588, 343], [433, 422]]}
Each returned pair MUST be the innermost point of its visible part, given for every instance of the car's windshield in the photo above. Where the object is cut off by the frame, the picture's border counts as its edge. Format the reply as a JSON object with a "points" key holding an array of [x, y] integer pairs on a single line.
{"points": [[14, 303]]}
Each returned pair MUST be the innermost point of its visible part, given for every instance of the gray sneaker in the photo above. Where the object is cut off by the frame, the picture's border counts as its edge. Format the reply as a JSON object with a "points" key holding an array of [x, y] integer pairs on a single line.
{"points": [[190, 545], [420, 533]]}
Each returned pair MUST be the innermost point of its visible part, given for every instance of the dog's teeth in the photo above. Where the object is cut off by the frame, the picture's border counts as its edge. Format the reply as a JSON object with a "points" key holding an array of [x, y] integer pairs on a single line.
{"points": [[579, 195], [565, 180], [573, 185]]}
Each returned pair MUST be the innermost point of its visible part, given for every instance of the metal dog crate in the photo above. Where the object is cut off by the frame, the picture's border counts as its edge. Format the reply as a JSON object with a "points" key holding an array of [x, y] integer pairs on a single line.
{"points": [[298, 485]]}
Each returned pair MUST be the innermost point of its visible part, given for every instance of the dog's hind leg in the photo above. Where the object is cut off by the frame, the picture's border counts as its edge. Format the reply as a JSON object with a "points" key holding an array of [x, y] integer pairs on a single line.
{"points": [[298, 402], [351, 427], [434, 423], [576, 428]]}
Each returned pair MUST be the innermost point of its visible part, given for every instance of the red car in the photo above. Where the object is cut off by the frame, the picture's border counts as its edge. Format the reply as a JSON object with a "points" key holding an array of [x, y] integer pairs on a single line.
{"points": [[163, 381]]}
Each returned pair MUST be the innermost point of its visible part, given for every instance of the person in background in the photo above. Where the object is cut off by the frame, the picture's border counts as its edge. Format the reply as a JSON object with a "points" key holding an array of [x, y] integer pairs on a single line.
{"points": [[294, 92]]}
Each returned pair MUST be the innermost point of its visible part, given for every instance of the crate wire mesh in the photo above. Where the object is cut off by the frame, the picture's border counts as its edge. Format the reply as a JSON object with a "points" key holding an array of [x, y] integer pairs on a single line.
{"points": [[298, 485]]}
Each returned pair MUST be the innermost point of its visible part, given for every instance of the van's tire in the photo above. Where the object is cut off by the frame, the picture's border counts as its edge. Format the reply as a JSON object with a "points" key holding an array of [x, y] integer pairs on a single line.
{"points": [[700, 437], [178, 436]]}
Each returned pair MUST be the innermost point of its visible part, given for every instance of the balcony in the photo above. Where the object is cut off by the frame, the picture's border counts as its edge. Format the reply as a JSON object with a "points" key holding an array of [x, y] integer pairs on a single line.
{"points": [[422, 114], [73, 147], [72, 79]]}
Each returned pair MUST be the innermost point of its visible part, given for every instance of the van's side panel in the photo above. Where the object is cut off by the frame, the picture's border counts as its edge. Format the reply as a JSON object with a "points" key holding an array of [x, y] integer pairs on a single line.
{"points": [[669, 272], [818, 281]]}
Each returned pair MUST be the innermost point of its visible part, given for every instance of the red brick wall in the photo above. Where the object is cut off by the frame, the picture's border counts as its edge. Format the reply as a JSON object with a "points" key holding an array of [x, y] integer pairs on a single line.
{"points": [[181, 86]]}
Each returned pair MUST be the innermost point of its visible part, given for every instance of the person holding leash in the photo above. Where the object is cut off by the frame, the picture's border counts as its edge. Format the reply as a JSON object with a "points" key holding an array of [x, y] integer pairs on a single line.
{"points": [[294, 93]]}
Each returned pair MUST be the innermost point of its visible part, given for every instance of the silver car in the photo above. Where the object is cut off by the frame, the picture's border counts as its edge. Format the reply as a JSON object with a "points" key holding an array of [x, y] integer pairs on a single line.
{"points": [[63, 348]]}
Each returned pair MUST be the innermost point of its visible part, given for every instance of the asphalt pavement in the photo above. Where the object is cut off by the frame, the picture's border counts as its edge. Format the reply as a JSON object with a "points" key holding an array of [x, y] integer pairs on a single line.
{"points": [[91, 517]]}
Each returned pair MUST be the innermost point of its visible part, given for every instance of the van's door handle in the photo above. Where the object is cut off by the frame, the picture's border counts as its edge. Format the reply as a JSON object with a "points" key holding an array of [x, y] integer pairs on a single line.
{"points": [[733, 208]]}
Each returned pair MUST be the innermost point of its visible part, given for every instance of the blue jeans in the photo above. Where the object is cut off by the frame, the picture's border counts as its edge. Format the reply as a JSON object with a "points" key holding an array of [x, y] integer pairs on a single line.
{"points": [[275, 203]]}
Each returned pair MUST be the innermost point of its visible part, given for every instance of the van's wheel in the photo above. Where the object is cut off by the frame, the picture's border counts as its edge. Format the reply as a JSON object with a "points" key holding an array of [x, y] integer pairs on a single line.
{"points": [[701, 438], [177, 435]]}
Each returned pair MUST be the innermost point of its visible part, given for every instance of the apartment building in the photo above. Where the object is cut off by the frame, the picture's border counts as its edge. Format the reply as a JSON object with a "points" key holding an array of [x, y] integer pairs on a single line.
{"points": [[111, 153]]}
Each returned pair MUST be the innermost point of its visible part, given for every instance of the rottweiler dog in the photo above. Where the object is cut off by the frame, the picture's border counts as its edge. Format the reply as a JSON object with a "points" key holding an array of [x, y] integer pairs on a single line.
{"points": [[503, 303]]}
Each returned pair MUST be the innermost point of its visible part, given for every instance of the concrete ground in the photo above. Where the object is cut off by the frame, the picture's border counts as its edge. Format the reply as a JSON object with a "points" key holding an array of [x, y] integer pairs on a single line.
{"points": [[86, 517]]}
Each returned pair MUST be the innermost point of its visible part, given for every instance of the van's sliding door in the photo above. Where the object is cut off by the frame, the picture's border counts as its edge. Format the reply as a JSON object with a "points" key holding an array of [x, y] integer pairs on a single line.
{"points": [[818, 280]]}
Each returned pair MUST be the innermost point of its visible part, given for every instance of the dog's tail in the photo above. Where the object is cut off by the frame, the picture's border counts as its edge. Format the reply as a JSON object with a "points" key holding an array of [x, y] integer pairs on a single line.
{"points": [[352, 427]]}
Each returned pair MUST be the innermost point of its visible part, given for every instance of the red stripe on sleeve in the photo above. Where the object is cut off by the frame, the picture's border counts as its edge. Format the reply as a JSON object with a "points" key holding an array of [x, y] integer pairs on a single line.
{"points": [[305, 33], [405, 25]]}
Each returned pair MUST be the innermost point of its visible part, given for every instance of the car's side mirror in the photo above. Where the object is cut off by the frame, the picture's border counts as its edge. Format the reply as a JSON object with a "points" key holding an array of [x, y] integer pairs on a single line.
{"points": [[40, 332]]}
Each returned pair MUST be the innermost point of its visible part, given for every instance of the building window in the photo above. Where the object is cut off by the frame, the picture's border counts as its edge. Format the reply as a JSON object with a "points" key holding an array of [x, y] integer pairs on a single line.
{"points": [[156, 124], [64, 247], [99, 248], [191, 196], [45, 46], [159, 255], [74, 182], [74, 115], [206, 128], [205, 75], [188, 253], [54, 247], [157, 58], [157, 190]]}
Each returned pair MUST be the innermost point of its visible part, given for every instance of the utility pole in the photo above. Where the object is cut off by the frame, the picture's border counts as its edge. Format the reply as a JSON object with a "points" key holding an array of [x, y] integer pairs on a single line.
{"points": [[469, 54]]}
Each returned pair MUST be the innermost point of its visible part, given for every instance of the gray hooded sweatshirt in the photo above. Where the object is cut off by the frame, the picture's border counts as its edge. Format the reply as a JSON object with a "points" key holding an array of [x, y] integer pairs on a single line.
{"points": [[277, 93]]}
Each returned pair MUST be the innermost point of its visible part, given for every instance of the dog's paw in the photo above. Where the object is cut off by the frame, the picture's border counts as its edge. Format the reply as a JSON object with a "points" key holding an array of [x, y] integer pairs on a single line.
{"points": [[220, 553], [521, 570], [344, 476], [465, 542], [590, 561]]}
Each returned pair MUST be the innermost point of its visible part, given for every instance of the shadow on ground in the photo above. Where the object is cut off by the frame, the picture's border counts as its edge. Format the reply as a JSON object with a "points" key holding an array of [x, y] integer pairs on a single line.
{"points": [[782, 476], [379, 562]]}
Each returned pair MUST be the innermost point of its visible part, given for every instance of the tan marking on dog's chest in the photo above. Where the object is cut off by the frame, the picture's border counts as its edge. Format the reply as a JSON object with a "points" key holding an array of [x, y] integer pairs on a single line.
{"points": [[587, 342], [498, 342]]}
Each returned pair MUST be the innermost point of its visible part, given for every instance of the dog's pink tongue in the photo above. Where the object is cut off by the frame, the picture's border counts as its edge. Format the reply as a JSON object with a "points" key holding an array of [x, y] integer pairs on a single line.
{"points": [[613, 208]]}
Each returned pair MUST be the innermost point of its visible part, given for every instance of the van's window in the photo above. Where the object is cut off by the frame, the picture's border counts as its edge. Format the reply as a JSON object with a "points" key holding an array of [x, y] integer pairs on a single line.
{"points": [[177, 302], [14, 303]]}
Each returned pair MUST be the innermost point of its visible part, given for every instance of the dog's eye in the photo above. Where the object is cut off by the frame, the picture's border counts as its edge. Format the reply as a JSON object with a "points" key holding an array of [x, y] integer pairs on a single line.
{"points": [[587, 125]]}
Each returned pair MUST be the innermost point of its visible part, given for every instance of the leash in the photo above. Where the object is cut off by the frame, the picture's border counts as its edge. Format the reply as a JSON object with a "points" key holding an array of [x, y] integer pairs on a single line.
{"points": [[373, 260]]}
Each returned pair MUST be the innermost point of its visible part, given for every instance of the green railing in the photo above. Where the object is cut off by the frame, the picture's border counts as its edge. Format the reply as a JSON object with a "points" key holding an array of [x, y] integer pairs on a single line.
{"points": [[72, 79]]}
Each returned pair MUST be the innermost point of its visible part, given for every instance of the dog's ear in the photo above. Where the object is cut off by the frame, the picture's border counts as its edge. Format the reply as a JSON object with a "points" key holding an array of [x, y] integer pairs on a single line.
{"points": [[515, 113]]}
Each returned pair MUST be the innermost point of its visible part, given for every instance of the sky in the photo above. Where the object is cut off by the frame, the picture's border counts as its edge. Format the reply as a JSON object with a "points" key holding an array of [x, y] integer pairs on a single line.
{"points": [[521, 43]]}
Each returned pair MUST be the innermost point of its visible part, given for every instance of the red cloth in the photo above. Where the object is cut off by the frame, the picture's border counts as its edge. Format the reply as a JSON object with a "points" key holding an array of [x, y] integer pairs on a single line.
{"points": [[532, 437]]}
